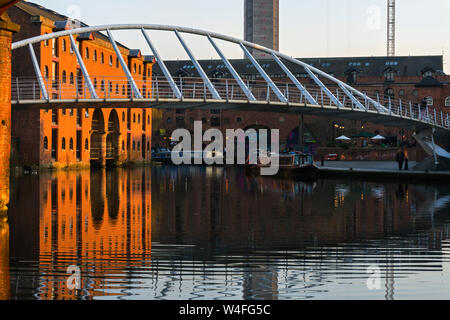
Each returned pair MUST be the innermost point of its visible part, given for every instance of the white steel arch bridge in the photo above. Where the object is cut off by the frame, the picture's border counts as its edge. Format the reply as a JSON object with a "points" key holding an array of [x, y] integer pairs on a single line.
{"points": [[324, 95]]}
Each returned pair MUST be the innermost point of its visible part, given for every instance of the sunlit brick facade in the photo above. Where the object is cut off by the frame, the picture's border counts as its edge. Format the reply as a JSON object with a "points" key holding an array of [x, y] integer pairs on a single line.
{"points": [[85, 136]]}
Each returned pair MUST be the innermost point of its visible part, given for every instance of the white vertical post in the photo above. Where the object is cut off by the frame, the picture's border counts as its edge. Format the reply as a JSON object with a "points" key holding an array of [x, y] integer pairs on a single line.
{"points": [[18, 90]]}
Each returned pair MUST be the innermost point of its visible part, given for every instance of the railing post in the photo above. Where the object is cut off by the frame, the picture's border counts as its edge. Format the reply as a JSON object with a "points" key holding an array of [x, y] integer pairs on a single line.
{"points": [[181, 86], [401, 109], [34, 90], [204, 91], [321, 96], [442, 118], [435, 116], [48, 91], [157, 88], [232, 91], [411, 110], [17, 86], [448, 123], [76, 89], [268, 93], [226, 87], [60, 88], [390, 106], [193, 91]]}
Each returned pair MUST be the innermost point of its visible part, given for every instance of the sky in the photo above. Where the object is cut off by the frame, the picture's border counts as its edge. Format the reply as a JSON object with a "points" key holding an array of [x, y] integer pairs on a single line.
{"points": [[308, 28]]}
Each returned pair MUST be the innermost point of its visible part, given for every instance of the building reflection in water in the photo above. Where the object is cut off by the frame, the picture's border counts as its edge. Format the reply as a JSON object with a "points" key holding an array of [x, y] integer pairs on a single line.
{"points": [[4, 259], [99, 221], [192, 232]]}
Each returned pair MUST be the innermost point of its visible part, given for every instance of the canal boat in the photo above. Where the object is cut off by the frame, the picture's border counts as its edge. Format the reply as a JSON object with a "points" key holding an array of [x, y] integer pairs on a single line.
{"points": [[161, 155], [293, 165]]}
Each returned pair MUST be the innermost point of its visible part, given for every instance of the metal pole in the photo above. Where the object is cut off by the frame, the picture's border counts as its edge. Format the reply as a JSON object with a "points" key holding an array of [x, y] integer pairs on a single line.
{"points": [[162, 65], [37, 70], [83, 67], [18, 91], [233, 72]]}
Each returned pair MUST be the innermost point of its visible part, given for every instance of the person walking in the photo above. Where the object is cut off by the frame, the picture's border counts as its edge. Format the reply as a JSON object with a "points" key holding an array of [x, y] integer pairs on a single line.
{"points": [[400, 158], [406, 159]]}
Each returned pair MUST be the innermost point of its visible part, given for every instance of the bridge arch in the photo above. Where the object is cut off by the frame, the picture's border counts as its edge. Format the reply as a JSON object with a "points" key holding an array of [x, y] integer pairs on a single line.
{"points": [[112, 136], [97, 133], [324, 94]]}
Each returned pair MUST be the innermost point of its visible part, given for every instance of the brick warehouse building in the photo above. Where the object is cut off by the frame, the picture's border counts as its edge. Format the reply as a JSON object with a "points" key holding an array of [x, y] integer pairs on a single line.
{"points": [[77, 137], [410, 78]]}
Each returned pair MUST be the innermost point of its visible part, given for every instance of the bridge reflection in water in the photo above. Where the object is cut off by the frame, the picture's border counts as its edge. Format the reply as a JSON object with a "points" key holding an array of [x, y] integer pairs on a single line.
{"points": [[192, 233]]}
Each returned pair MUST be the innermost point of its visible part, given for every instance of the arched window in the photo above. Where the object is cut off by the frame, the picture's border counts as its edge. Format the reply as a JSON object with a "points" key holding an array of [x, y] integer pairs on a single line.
{"points": [[117, 88], [134, 68], [95, 55], [401, 93], [71, 144], [63, 144], [64, 45], [139, 118], [389, 75], [123, 145], [124, 91], [148, 120], [447, 102], [71, 78], [86, 144], [110, 61], [389, 94], [102, 86], [46, 72], [134, 145], [139, 146], [64, 76], [430, 101], [45, 143], [148, 146], [428, 73], [123, 116], [140, 70], [86, 55], [117, 62], [95, 83], [103, 58], [134, 117]]}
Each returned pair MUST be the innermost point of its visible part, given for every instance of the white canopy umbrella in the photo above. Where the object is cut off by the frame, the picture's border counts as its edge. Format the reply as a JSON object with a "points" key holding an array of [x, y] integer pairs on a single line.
{"points": [[343, 138], [378, 137]]}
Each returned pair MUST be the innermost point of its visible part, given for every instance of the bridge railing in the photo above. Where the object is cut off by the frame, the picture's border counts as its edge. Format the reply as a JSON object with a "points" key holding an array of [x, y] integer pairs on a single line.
{"points": [[29, 88]]}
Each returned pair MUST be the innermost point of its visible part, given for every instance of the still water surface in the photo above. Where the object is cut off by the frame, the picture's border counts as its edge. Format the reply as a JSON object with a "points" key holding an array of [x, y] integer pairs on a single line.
{"points": [[213, 233]]}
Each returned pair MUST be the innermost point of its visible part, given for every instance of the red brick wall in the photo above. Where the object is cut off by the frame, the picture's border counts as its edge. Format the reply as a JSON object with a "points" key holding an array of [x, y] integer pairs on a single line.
{"points": [[5, 115], [31, 140]]}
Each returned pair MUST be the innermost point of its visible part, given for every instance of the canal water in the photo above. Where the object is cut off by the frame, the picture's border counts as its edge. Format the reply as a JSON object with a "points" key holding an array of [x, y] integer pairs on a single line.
{"points": [[214, 233]]}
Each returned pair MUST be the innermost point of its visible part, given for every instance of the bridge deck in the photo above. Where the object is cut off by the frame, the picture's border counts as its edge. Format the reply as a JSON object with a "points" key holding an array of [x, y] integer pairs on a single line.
{"points": [[392, 120]]}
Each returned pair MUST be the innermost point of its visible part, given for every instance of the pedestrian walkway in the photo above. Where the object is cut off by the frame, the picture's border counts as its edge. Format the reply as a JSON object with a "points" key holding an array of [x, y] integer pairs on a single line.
{"points": [[379, 170]]}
